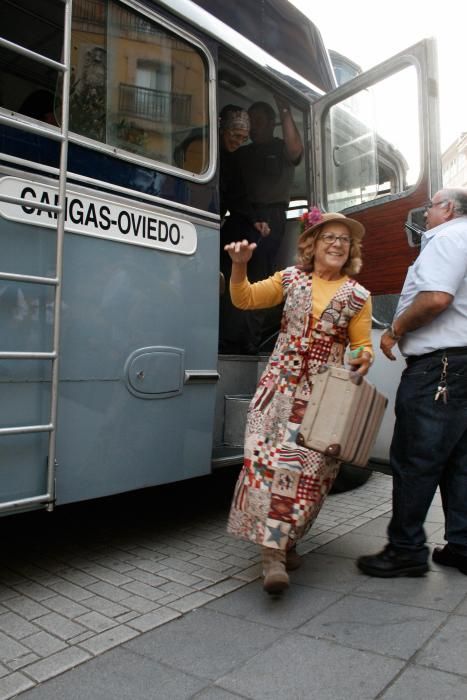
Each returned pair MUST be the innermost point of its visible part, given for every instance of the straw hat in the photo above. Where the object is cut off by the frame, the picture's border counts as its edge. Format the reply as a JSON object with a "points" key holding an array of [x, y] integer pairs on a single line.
{"points": [[356, 229]]}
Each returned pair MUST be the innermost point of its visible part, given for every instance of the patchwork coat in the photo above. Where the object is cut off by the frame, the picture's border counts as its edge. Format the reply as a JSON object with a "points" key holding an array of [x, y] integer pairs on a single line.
{"points": [[282, 486]]}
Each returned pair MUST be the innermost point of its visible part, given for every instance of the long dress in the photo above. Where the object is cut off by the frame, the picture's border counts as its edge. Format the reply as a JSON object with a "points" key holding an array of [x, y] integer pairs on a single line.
{"points": [[282, 486]]}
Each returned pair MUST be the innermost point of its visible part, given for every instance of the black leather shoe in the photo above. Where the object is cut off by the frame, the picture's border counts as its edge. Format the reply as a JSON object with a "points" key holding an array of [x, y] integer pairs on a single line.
{"points": [[446, 557], [391, 563]]}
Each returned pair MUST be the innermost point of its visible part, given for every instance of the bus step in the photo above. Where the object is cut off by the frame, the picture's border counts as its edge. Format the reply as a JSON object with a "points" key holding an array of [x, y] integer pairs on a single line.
{"points": [[235, 412]]}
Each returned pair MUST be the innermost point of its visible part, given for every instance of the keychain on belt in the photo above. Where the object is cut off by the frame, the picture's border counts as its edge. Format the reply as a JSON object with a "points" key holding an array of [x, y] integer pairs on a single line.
{"points": [[442, 391]]}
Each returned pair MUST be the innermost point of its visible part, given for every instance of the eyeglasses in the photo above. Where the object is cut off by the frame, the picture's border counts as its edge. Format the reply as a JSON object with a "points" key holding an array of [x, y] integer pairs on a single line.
{"points": [[430, 204], [330, 238]]}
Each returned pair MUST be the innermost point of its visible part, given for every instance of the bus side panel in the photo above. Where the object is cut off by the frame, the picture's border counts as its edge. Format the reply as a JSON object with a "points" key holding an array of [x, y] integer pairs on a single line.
{"points": [[118, 299], [25, 326]]}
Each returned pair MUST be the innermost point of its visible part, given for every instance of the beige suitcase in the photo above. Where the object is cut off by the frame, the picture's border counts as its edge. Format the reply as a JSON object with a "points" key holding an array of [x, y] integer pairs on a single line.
{"points": [[343, 416]]}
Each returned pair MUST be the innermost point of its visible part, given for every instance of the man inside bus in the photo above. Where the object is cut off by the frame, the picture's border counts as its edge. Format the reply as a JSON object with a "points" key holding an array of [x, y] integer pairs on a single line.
{"points": [[265, 170], [429, 446]]}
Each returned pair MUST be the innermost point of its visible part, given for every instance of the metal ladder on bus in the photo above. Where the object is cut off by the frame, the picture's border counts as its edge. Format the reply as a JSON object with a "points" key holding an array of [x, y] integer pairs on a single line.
{"points": [[61, 135]]}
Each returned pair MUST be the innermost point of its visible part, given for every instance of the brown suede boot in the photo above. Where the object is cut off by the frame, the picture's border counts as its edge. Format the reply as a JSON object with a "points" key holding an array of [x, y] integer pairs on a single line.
{"points": [[293, 559], [276, 578]]}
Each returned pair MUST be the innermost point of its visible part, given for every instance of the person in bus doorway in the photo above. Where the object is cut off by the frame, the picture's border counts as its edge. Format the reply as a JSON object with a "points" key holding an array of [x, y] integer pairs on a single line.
{"points": [[282, 486], [429, 445], [234, 131], [265, 170]]}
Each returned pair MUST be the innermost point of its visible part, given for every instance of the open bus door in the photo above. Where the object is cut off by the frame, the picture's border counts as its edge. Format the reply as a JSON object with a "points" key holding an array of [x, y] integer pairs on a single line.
{"points": [[377, 159]]}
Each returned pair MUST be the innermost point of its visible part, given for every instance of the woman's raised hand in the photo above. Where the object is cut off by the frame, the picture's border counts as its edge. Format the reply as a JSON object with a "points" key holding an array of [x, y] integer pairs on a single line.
{"points": [[240, 251]]}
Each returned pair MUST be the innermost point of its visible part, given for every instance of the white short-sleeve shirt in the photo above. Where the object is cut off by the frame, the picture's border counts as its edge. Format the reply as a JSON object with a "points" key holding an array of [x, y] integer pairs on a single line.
{"points": [[440, 267]]}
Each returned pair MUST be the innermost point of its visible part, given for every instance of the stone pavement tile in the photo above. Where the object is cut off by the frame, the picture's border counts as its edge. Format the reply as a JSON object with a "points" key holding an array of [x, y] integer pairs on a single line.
{"points": [[79, 578], [65, 606], [95, 621], [353, 545], [213, 576], [121, 619], [137, 604], [106, 607], [446, 651], [325, 571], [215, 693], [105, 590], [297, 605], [57, 663], [15, 626], [44, 643], [152, 566], [179, 577], [7, 592], [70, 590], [108, 639], [11, 685], [419, 683], [33, 590], [204, 642], [28, 609], [224, 587], [179, 564], [372, 625], [11, 649], [435, 590], [104, 574], [119, 675], [192, 601], [154, 619], [249, 574], [143, 590], [17, 664], [147, 577], [60, 626], [312, 669]]}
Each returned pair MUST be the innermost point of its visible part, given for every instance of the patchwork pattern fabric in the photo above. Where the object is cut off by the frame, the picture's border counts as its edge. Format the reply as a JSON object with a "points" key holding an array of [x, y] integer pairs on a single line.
{"points": [[282, 486]]}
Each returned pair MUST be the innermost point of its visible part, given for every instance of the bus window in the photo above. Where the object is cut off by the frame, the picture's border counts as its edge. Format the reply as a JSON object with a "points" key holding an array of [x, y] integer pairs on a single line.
{"points": [[372, 153], [27, 86], [137, 86]]}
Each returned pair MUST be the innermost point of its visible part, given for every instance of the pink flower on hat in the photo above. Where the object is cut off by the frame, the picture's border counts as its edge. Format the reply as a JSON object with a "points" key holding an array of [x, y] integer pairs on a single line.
{"points": [[310, 218]]}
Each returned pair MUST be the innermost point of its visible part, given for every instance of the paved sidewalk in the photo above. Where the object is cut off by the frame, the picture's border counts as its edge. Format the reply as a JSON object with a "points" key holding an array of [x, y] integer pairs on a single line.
{"points": [[144, 598]]}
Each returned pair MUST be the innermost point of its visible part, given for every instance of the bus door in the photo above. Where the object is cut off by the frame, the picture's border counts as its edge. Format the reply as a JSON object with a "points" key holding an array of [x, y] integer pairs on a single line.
{"points": [[377, 159]]}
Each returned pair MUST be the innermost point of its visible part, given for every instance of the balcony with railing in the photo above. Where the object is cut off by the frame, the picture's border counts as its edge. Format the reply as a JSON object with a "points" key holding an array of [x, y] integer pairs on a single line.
{"points": [[156, 105]]}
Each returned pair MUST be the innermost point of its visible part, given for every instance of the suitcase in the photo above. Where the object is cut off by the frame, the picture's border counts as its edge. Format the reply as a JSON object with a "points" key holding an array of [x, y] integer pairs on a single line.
{"points": [[343, 416]]}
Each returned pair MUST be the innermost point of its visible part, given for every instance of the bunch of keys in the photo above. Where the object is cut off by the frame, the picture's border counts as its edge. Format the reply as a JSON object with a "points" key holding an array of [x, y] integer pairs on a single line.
{"points": [[442, 391]]}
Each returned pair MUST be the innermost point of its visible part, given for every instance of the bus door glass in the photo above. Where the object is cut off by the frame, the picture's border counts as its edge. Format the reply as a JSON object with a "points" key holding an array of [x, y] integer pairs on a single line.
{"points": [[377, 159]]}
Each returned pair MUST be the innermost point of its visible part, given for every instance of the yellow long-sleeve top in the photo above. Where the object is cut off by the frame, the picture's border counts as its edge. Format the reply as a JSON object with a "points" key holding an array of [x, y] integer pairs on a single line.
{"points": [[269, 292]]}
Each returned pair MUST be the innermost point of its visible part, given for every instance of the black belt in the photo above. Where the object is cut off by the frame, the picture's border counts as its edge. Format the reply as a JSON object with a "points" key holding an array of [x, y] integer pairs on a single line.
{"points": [[436, 353]]}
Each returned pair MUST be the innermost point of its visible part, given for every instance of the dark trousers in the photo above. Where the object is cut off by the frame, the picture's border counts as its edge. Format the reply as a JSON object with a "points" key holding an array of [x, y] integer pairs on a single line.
{"points": [[429, 448]]}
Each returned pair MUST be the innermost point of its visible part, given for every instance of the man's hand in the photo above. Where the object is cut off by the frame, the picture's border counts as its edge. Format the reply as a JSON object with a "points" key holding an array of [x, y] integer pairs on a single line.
{"points": [[263, 228], [386, 345]]}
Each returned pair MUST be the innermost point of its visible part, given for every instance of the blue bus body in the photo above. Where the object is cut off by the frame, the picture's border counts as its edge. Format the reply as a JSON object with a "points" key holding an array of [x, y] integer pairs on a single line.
{"points": [[141, 392]]}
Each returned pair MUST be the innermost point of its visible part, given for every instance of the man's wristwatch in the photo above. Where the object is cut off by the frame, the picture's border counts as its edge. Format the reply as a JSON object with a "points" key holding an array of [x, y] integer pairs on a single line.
{"points": [[392, 333]]}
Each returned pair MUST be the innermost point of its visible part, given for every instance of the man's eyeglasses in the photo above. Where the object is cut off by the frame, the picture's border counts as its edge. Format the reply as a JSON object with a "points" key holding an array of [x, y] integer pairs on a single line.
{"points": [[330, 238], [430, 204]]}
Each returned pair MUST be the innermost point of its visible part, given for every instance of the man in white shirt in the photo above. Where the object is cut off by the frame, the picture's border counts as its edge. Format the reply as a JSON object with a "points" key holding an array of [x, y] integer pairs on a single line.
{"points": [[429, 445]]}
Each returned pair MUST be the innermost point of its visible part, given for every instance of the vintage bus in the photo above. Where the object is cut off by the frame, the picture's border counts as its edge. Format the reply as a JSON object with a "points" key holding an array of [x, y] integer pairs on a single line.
{"points": [[110, 376]]}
